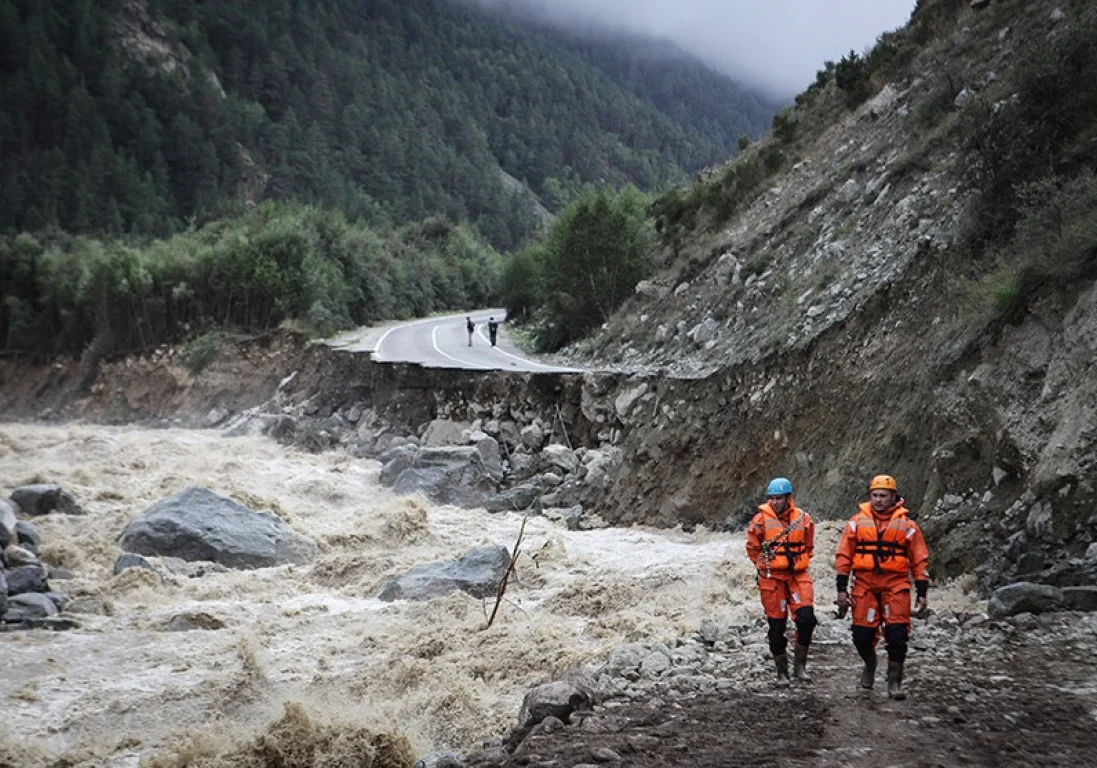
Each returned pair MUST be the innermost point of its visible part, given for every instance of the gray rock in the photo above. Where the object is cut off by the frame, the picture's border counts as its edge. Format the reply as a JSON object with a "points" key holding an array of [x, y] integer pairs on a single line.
{"points": [[1080, 598], [1015, 546], [478, 573], [624, 661], [509, 434], [3, 592], [1024, 597], [513, 499], [962, 98], [130, 560], [35, 500], [623, 403], [1057, 15], [28, 578], [394, 461], [1039, 524], [448, 475], [533, 437], [522, 466], [655, 664], [198, 524], [849, 191], [605, 755], [439, 760], [444, 432], [58, 599], [569, 516], [89, 605], [15, 557], [29, 605], [558, 699], [28, 536], [559, 457], [488, 447]]}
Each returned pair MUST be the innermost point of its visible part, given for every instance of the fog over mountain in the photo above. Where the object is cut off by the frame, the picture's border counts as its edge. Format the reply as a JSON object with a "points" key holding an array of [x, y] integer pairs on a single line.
{"points": [[775, 45]]}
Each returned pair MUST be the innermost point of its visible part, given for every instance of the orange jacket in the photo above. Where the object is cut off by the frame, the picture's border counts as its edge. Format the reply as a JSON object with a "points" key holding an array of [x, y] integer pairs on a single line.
{"points": [[883, 543], [793, 551]]}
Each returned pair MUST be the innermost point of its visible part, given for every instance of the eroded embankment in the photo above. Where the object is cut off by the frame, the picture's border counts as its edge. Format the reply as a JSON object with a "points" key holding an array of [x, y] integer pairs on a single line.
{"points": [[991, 437]]}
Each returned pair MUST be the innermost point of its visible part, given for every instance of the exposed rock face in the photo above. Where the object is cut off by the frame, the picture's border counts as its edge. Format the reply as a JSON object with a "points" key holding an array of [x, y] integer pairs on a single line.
{"points": [[477, 573], [198, 524]]}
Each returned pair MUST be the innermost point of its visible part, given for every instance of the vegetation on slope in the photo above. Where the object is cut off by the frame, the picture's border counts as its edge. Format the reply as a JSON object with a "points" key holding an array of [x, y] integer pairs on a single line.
{"points": [[121, 118], [62, 294]]}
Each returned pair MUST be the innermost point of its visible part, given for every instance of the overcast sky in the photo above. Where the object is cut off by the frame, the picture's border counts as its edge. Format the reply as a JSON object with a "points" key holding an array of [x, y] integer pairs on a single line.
{"points": [[773, 44]]}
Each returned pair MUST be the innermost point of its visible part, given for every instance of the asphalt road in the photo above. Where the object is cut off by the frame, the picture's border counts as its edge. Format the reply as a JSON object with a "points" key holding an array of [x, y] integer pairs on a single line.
{"points": [[442, 342]]}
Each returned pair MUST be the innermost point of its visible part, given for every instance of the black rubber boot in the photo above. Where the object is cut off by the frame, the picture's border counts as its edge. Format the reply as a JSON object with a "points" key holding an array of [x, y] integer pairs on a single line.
{"points": [[895, 680], [799, 664], [868, 674], [782, 670]]}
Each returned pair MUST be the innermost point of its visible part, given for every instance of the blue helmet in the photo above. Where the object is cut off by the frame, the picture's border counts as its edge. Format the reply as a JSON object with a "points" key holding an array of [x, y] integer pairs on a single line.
{"points": [[779, 486]]}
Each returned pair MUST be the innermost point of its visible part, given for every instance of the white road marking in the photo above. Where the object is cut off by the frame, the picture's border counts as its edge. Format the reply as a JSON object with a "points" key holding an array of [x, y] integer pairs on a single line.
{"points": [[439, 350], [557, 368], [380, 341]]}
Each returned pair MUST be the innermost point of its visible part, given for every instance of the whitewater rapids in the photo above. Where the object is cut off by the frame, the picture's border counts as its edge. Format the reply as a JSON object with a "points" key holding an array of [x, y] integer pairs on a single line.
{"points": [[120, 688]]}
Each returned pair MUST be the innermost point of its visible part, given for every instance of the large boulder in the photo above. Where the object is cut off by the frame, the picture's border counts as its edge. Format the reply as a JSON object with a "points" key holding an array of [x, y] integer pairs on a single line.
{"points": [[447, 475], [198, 524], [477, 573], [28, 578], [29, 605], [560, 459], [444, 432], [513, 499], [1024, 597], [558, 699], [42, 499]]}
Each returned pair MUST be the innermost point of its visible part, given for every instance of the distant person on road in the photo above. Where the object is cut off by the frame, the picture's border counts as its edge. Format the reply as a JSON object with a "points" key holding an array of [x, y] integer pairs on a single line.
{"points": [[884, 550], [470, 327], [493, 330], [780, 542]]}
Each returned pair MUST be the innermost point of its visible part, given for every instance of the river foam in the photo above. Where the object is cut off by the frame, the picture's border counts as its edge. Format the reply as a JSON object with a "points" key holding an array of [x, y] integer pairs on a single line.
{"points": [[314, 638]]}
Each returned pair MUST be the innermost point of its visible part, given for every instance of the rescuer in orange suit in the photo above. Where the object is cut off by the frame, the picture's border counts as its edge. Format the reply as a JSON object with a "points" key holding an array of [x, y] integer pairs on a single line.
{"points": [[885, 550], [780, 541]]}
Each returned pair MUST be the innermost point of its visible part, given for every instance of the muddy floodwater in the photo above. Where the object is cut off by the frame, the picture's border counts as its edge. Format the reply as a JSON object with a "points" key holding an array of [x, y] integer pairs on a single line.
{"points": [[121, 688]]}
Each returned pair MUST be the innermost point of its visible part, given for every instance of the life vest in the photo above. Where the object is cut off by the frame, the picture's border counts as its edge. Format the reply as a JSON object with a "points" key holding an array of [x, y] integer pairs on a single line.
{"points": [[882, 550], [790, 553]]}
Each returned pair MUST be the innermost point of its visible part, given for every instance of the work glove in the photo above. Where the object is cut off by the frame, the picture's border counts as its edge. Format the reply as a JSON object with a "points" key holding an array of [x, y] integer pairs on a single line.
{"points": [[921, 608], [843, 604]]}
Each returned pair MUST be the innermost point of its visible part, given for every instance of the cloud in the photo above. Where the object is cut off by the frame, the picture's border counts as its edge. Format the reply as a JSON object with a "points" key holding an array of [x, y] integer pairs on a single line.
{"points": [[776, 45]]}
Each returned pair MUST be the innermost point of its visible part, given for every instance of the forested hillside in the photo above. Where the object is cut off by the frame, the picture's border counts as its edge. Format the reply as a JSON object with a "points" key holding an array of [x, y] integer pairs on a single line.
{"points": [[123, 116]]}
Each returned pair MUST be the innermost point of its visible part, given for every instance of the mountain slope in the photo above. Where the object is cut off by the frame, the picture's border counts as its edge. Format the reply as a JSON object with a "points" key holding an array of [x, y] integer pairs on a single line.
{"points": [[127, 117], [900, 280]]}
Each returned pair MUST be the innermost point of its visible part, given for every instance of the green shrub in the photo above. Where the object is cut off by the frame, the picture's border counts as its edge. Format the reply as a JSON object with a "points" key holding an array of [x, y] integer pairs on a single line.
{"points": [[201, 352], [253, 271]]}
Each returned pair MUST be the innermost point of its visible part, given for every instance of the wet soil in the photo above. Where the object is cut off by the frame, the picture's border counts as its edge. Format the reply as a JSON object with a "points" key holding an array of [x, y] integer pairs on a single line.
{"points": [[1033, 702]]}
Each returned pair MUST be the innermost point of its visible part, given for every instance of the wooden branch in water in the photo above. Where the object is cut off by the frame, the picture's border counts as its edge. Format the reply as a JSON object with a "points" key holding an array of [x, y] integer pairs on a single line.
{"points": [[506, 574]]}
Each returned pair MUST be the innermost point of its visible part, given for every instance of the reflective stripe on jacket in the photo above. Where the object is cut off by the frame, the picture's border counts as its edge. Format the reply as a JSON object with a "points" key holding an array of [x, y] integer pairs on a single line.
{"points": [[793, 551], [887, 543]]}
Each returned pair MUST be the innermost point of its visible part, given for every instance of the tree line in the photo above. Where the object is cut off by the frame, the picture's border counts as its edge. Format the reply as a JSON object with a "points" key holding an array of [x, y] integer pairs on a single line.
{"points": [[116, 121]]}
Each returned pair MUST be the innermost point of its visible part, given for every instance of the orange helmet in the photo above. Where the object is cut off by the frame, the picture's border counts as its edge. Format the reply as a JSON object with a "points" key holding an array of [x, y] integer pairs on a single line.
{"points": [[883, 483]]}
